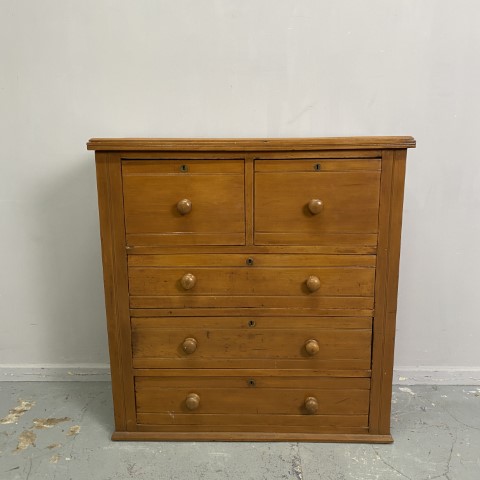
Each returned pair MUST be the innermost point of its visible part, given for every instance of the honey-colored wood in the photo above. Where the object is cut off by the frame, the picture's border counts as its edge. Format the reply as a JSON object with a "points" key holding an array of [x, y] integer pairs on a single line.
{"points": [[249, 144], [241, 379], [346, 203], [184, 238], [133, 250], [331, 156], [241, 278], [329, 306], [297, 155], [272, 321], [250, 344], [112, 232], [219, 427], [156, 395], [258, 369], [309, 303], [236, 436], [386, 286], [186, 166], [231, 281], [309, 423], [319, 164], [259, 260], [249, 193], [163, 206]]}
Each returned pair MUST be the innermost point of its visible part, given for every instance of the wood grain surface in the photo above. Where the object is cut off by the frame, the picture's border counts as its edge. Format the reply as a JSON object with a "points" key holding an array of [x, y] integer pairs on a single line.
{"points": [[249, 144], [251, 286]]}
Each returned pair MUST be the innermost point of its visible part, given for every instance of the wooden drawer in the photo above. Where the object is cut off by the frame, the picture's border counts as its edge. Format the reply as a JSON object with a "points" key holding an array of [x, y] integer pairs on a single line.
{"points": [[214, 188], [306, 279], [258, 402], [348, 192], [322, 343]]}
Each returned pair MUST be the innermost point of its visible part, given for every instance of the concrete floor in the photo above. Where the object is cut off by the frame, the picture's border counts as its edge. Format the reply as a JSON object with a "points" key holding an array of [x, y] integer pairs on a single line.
{"points": [[61, 430]]}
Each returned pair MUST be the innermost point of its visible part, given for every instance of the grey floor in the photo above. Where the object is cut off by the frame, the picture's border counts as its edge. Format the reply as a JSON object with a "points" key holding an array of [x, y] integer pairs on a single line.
{"points": [[61, 430]]}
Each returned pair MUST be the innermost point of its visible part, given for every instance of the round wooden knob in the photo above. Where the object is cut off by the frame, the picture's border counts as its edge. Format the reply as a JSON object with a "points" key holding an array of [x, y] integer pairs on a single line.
{"points": [[192, 401], [184, 206], [315, 206], [189, 345], [188, 281], [312, 347], [313, 283], [311, 405]]}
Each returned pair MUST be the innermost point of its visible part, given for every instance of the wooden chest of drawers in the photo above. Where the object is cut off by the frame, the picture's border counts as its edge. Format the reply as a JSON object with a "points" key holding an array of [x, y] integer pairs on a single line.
{"points": [[251, 286]]}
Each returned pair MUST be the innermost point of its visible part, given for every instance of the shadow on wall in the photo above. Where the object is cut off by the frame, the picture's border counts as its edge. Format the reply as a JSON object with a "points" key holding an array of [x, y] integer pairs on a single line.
{"points": [[71, 287]]}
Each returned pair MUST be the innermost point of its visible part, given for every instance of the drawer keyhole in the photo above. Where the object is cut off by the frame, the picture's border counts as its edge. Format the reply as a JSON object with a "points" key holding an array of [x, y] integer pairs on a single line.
{"points": [[184, 168], [251, 323], [251, 382], [249, 261], [317, 167]]}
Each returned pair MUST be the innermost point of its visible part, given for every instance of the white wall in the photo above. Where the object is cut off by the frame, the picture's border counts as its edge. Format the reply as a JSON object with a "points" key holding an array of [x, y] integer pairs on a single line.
{"points": [[70, 70]]}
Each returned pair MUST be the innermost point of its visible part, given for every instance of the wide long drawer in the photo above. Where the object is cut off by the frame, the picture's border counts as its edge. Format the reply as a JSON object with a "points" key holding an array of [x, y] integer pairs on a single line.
{"points": [[253, 403], [297, 342], [199, 281]]}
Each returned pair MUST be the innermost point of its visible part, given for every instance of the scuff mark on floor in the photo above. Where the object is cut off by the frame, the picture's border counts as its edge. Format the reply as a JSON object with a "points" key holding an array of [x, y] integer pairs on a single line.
{"points": [[55, 458], [15, 413], [297, 464], [73, 430], [407, 390], [42, 423], [26, 439]]}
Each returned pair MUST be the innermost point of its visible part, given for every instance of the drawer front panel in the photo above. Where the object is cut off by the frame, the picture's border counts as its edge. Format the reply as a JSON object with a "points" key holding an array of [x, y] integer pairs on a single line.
{"points": [[252, 396], [214, 213], [308, 347], [347, 212], [288, 281]]}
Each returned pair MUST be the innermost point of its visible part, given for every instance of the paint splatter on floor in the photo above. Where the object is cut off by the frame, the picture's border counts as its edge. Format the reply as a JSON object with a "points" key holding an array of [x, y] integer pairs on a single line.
{"points": [[15, 413], [73, 430], [55, 458], [41, 423], [54, 445], [26, 439]]}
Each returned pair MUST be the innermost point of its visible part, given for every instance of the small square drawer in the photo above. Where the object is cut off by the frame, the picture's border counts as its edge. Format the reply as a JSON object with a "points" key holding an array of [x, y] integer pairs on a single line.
{"points": [[184, 202], [317, 202]]}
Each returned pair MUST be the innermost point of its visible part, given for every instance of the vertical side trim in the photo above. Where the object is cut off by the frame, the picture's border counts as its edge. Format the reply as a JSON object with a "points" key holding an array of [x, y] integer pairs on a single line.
{"points": [[112, 230], [108, 260], [396, 211], [386, 286], [379, 318]]}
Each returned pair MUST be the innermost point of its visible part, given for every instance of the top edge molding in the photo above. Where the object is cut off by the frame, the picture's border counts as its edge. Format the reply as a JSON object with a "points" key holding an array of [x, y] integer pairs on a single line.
{"points": [[249, 144]]}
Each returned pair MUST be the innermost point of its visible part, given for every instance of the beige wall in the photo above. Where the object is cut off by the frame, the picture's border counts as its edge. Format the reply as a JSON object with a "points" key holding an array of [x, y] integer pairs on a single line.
{"points": [[71, 70]]}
